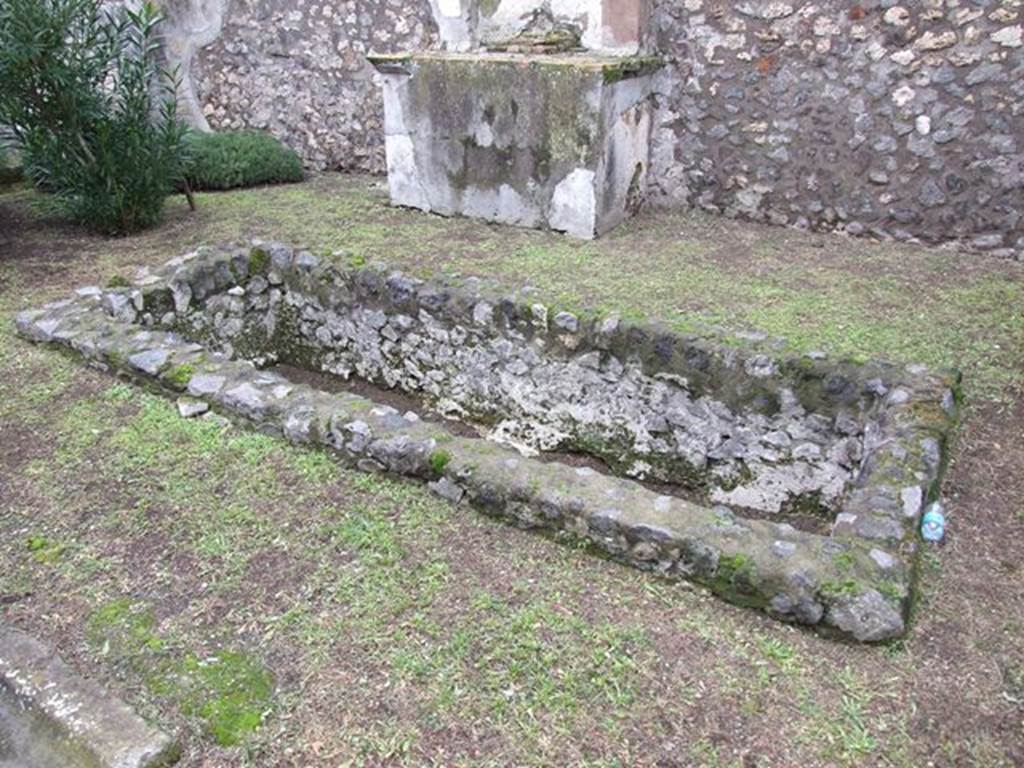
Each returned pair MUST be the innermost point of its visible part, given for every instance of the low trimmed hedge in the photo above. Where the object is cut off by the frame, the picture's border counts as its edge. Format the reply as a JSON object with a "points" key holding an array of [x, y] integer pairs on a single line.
{"points": [[231, 159]]}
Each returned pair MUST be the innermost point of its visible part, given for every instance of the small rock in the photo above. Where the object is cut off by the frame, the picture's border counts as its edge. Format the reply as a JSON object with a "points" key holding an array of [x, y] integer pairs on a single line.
{"points": [[903, 95], [216, 419], [778, 439], [540, 315], [882, 559], [987, 242], [151, 361], [483, 313], [305, 261], [1009, 37], [935, 41], [446, 489], [189, 407], [912, 498], [205, 384], [898, 16], [567, 322], [119, 306], [898, 397], [868, 616], [783, 548]]}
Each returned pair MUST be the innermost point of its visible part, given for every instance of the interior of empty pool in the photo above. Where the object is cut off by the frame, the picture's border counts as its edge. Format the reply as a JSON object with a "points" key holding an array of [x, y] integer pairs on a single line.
{"points": [[805, 511]]}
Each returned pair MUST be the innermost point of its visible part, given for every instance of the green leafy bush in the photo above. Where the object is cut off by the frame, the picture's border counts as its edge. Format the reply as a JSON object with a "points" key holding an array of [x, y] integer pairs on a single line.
{"points": [[90, 108], [240, 159]]}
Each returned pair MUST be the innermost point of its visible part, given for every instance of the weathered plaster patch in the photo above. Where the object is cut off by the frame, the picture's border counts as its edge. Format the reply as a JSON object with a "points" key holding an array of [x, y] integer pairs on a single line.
{"points": [[403, 174], [574, 204]]}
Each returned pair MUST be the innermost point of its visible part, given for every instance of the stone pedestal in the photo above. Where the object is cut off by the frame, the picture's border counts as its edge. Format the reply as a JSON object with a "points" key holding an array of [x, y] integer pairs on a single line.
{"points": [[551, 141]]}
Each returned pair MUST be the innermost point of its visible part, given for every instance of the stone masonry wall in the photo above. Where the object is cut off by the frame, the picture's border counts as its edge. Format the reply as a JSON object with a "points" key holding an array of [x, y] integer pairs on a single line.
{"points": [[897, 119], [902, 120], [731, 427], [298, 68], [753, 426]]}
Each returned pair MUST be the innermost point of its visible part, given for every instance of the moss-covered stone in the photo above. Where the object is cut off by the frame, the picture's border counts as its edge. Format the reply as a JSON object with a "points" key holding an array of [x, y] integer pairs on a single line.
{"points": [[180, 375], [438, 461], [629, 66], [259, 261], [833, 589]]}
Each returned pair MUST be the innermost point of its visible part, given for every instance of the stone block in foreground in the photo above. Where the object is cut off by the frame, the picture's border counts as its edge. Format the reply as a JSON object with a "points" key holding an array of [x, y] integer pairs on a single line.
{"points": [[88, 727], [555, 141]]}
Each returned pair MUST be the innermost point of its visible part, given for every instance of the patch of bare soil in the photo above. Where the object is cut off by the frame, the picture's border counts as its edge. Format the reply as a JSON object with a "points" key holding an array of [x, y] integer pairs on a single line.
{"points": [[971, 628], [27, 242], [43, 249]]}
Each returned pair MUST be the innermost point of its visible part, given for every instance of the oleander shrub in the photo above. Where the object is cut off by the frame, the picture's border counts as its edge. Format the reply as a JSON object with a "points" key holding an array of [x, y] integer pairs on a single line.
{"points": [[230, 159], [91, 110]]}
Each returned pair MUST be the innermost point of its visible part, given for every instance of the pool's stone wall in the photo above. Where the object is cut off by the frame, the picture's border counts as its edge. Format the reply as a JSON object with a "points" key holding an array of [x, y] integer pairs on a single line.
{"points": [[897, 120], [197, 326], [768, 434]]}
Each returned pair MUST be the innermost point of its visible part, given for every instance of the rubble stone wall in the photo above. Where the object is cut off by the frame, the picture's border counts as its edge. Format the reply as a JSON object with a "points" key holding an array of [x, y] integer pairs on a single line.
{"points": [[298, 69], [899, 120]]}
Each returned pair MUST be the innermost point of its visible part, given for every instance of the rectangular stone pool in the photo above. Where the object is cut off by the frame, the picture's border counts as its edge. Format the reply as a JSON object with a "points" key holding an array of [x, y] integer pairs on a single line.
{"points": [[788, 482]]}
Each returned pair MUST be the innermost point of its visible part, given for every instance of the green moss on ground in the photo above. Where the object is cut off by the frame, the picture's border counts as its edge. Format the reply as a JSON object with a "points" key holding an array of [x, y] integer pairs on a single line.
{"points": [[44, 550], [123, 628], [229, 691]]}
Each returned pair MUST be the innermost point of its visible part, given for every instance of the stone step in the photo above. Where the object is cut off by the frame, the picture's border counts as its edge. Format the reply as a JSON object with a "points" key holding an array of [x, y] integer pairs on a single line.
{"points": [[56, 717]]}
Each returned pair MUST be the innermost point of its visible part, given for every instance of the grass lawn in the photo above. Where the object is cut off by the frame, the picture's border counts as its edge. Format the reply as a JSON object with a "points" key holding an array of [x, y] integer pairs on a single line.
{"points": [[276, 609]]}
